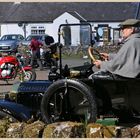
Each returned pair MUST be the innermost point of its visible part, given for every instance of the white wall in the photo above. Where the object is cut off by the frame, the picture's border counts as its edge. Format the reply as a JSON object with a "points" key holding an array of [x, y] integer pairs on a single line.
{"points": [[15, 29], [53, 29], [11, 29]]}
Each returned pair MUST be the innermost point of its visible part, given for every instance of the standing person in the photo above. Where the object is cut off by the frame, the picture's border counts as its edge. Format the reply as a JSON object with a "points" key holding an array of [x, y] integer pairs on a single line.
{"points": [[126, 62], [35, 48], [49, 41], [50, 54]]}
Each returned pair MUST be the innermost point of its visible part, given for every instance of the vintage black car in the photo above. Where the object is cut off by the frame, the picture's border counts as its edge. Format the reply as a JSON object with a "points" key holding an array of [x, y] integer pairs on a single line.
{"points": [[72, 94]]}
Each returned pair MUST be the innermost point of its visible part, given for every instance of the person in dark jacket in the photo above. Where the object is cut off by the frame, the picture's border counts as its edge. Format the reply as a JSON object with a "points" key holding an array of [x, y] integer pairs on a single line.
{"points": [[126, 62], [35, 48], [50, 51], [49, 40]]}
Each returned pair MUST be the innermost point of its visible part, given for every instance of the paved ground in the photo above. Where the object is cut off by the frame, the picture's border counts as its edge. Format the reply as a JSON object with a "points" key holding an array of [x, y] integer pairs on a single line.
{"points": [[41, 75]]}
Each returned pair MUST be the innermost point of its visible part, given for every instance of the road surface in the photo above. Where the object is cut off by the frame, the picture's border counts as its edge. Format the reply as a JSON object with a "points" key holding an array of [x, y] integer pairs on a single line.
{"points": [[41, 75], [4, 87]]}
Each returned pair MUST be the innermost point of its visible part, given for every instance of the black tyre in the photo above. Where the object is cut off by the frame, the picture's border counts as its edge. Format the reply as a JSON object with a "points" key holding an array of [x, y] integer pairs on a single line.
{"points": [[68, 100], [30, 75]]}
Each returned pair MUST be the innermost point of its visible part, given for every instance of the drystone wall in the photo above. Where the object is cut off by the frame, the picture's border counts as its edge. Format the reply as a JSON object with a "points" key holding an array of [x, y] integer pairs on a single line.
{"points": [[39, 129]]}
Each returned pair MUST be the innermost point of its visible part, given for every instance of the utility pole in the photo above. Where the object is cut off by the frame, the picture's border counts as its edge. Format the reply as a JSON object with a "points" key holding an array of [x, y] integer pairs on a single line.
{"points": [[23, 25], [24, 29]]}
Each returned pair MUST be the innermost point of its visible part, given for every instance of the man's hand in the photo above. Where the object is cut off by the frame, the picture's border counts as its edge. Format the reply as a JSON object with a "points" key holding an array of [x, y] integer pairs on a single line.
{"points": [[105, 56], [40, 46], [97, 63]]}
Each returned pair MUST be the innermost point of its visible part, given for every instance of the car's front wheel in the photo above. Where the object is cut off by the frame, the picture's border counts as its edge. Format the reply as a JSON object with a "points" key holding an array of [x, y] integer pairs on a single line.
{"points": [[68, 100]]}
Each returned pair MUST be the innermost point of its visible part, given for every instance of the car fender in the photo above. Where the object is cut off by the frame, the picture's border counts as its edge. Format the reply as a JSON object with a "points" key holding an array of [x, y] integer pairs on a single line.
{"points": [[17, 110]]}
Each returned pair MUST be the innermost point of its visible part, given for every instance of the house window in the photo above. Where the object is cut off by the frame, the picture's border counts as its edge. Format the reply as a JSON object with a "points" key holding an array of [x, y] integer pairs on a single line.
{"points": [[116, 36], [84, 35], [35, 30]]}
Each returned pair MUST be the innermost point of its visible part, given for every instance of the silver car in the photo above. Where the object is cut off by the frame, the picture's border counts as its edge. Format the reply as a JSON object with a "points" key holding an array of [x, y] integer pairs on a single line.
{"points": [[10, 42], [27, 41]]}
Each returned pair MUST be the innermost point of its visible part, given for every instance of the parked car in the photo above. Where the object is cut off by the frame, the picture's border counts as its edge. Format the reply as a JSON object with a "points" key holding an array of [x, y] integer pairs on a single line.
{"points": [[27, 40], [10, 42]]}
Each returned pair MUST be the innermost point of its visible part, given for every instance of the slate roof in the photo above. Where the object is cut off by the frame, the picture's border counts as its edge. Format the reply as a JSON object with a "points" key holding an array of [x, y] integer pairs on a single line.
{"points": [[40, 12]]}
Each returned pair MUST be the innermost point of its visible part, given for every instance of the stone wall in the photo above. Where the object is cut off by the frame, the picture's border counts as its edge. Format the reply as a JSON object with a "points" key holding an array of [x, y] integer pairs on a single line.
{"points": [[39, 129]]}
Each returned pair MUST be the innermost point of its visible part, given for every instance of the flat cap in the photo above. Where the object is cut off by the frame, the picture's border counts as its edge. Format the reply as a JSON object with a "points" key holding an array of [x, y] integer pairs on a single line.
{"points": [[130, 22]]}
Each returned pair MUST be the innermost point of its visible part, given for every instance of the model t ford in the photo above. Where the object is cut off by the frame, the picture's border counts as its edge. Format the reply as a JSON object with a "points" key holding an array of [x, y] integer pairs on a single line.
{"points": [[71, 93]]}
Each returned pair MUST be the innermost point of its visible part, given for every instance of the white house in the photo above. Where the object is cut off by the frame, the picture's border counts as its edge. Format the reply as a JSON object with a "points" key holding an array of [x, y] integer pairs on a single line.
{"points": [[47, 28], [45, 18]]}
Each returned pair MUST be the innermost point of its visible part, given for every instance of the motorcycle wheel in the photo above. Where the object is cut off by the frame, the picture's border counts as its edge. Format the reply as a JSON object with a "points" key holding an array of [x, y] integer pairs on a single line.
{"points": [[68, 100], [30, 75]]}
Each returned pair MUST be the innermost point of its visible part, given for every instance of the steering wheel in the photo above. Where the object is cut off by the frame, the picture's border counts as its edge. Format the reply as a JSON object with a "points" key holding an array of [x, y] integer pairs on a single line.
{"points": [[93, 53]]}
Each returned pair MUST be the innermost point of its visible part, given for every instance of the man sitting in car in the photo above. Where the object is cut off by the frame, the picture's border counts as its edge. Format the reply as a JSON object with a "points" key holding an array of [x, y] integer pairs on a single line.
{"points": [[126, 63]]}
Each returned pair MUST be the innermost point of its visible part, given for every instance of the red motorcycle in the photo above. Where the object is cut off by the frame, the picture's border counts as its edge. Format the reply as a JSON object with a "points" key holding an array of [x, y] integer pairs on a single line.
{"points": [[12, 66]]}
